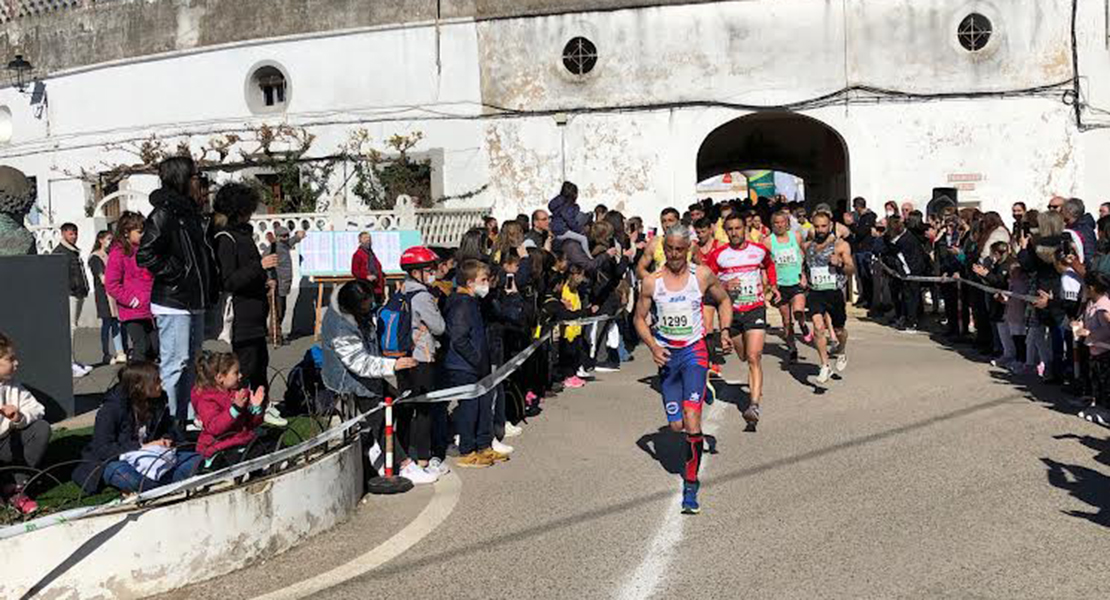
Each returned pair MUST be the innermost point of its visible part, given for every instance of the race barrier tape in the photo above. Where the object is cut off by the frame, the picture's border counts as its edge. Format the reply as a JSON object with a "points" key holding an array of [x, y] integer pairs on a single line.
{"points": [[959, 280]]}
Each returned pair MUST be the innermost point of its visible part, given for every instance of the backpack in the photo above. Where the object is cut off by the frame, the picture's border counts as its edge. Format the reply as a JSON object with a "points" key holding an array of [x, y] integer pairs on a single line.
{"points": [[395, 326]]}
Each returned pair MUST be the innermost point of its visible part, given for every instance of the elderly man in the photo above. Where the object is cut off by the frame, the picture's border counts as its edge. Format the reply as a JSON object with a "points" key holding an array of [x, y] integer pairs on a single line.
{"points": [[366, 266], [541, 228], [907, 208]]}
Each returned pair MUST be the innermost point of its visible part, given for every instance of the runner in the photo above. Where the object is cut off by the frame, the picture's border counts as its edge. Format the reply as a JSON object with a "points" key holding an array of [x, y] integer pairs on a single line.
{"points": [[786, 248], [707, 244], [654, 257], [678, 345], [746, 270], [829, 260]]}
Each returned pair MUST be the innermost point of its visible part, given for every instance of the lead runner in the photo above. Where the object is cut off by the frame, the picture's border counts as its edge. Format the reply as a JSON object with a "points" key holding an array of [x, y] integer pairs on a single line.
{"points": [[678, 345]]}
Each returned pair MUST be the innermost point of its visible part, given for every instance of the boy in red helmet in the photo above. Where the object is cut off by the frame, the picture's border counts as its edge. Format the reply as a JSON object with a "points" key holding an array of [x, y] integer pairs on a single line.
{"points": [[424, 424]]}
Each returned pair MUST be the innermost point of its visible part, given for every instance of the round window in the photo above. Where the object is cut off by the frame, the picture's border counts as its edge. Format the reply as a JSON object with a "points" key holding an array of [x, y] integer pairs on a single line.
{"points": [[267, 88], [580, 56], [974, 32]]}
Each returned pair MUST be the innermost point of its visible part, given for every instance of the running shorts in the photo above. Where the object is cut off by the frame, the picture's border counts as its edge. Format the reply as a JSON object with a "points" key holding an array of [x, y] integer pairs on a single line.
{"points": [[683, 379], [828, 302], [787, 293], [748, 320]]}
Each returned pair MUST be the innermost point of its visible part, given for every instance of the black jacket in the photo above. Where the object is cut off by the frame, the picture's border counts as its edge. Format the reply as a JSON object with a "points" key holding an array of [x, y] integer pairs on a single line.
{"points": [[176, 251], [78, 283], [467, 348], [242, 276], [861, 232], [116, 432], [908, 247]]}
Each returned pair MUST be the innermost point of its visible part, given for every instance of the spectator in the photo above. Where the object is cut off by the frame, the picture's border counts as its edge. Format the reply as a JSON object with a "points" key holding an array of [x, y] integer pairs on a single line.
{"points": [[948, 250], [354, 367], [468, 361], [1104, 210], [134, 417], [366, 266], [110, 331], [78, 288], [490, 223], [863, 225], [176, 250], [599, 213], [130, 285], [906, 256], [565, 304], [891, 209], [243, 274], [1081, 227], [475, 245], [282, 246], [24, 434], [423, 427], [231, 414], [1039, 261], [567, 221], [1096, 331], [907, 208], [1017, 211], [540, 233]]}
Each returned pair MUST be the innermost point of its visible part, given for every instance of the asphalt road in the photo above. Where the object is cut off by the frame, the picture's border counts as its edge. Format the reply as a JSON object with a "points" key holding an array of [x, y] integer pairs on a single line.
{"points": [[918, 474]]}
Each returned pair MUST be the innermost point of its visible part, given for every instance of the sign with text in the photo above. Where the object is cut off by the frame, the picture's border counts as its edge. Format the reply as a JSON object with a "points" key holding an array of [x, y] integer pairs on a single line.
{"points": [[328, 253]]}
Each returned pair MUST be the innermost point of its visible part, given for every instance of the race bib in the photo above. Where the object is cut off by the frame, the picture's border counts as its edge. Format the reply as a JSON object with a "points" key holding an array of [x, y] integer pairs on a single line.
{"points": [[786, 257], [747, 288], [675, 320], [820, 278]]}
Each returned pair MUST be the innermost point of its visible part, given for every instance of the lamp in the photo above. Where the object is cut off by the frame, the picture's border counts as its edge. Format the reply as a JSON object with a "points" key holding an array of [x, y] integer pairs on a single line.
{"points": [[20, 68]]}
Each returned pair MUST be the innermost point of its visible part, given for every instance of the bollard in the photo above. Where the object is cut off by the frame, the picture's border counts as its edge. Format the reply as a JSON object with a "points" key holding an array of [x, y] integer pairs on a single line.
{"points": [[388, 436], [388, 483]]}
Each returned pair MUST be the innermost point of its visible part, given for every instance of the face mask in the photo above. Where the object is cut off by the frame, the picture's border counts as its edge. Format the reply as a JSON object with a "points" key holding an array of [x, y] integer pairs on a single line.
{"points": [[481, 291], [891, 213], [430, 279], [821, 237]]}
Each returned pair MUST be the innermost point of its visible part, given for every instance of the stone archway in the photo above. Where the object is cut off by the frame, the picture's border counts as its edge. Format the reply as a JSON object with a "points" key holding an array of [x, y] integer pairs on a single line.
{"points": [[780, 141]]}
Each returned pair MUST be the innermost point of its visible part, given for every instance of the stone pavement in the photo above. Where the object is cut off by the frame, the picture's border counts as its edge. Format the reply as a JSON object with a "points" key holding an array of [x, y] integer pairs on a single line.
{"points": [[917, 473]]}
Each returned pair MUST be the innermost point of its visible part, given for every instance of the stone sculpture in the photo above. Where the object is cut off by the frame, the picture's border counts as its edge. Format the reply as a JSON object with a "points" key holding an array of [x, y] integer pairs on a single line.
{"points": [[17, 196]]}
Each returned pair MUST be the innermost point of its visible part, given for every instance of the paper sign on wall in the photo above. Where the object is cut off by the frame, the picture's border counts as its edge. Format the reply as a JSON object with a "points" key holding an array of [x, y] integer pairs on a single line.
{"points": [[329, 253]]}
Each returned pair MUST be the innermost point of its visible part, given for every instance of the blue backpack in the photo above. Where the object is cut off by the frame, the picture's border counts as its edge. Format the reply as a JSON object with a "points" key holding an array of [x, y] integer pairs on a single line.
{"points": [[395, 326]]}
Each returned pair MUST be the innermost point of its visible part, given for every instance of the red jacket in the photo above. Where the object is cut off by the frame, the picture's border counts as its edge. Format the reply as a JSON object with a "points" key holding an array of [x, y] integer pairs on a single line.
{"points": [[221, 430], [364, 264]]}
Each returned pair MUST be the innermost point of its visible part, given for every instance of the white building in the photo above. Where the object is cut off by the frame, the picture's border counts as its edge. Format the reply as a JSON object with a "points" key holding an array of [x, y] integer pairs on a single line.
{"points": [[635, 100]]}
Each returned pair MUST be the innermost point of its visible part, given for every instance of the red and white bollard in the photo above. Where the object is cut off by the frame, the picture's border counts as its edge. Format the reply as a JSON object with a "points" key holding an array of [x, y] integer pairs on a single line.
{"points": [[388, 436], [388, 483]]}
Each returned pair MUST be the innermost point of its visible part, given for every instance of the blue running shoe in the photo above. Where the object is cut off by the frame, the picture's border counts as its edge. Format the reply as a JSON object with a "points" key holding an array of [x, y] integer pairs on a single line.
{"points": [[690, 499]]}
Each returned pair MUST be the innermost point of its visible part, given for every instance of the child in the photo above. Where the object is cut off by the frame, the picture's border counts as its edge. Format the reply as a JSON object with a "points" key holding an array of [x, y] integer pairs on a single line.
{"points": [[282, 246], [467, 361], [110, 330], [567, 221], [565, 304], [133, 417], [1096, 330], [1014, 317], [423, 426], [230, 415], [24, 434], [129, 285]]}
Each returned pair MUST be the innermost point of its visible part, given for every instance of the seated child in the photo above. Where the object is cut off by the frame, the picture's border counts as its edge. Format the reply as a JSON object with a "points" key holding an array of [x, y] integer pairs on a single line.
{"points": [[230, 415], [24, 434]]}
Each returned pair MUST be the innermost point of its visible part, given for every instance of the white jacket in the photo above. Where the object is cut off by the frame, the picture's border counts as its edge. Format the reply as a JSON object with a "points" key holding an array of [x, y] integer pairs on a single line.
{"points": [[30, 409]]}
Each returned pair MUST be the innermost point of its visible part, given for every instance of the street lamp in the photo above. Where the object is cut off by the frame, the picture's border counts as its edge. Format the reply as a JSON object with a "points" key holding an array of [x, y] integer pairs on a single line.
{"points": [[20, 69]]}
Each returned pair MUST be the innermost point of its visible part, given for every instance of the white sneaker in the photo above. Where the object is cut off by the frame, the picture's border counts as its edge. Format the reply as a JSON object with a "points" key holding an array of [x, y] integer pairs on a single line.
{"points": [[438, 467], [841, 362], [79, 371], [417, 475], [512, 430], [501, 447], [194, 426], [584, 374], [119, 359], [273, 417], [825, 374]]}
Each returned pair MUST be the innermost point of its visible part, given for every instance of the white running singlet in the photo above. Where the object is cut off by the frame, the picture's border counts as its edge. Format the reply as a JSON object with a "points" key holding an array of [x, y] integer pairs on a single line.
{"points": [[679, 322]]}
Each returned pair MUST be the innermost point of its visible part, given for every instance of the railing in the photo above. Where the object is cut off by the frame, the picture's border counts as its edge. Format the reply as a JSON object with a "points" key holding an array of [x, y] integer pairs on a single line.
{"points": [[11, 10]]}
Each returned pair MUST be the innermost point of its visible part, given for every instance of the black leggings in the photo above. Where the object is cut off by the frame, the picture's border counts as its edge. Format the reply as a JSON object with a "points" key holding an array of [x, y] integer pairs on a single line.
{"points": [[144, 339], [414, 421]]}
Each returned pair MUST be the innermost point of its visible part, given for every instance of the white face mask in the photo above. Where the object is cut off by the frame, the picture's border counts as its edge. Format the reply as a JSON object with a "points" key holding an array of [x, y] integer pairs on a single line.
{"points": [[481, 291], [430, 279]]}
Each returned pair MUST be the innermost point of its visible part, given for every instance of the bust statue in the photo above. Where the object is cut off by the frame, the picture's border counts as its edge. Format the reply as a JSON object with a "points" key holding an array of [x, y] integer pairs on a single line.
{"points": [[17, 196]]}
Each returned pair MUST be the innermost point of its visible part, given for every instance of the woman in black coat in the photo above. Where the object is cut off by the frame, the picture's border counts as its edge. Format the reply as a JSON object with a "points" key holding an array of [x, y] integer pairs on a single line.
{"points": [[243, 274]]}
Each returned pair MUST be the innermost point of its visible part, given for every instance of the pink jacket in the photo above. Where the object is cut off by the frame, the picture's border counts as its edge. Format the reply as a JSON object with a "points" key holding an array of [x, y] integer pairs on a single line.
{"points": [[221, 429], [125, 280]]}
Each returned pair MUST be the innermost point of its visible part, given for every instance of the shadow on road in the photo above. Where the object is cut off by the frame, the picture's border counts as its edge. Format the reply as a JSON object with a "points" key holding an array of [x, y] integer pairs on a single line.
{"points": [[1086, 485]]}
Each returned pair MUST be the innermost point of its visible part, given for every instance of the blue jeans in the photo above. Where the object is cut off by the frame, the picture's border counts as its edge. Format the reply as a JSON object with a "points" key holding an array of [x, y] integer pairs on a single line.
{"points": [[473, 418], [122, 476], [111, 331], [179, 340]]}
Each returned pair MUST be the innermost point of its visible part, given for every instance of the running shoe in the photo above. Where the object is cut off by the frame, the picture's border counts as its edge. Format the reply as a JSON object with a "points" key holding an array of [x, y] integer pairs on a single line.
{"points": [[584, 374], [437, 466], [751, 414], [493, 455], [825, 374], [573, 382], [273, 417], [417, 475], [841, 362], [512, 430], [501, 447], [690, 499], [530, 398]]}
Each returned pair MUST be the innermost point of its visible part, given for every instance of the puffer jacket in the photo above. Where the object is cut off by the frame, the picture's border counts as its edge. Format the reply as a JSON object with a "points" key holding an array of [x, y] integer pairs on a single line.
{"points": [[565, 216], [353, 363], [176, 250], [125, 280], [242, 275], [78, 282]]}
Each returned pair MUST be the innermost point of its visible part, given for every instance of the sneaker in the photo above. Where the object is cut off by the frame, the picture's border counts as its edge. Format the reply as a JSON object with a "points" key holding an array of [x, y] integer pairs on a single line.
{"points": [[194, 426], [808, 337], [825, 374], [909, 328], [513, 430], [841, 362], [417, 475], [79, 371], [23, 503], [501, 447], [690, 499], [751, 415], [607, 369], [273, 417], [493, 455], [438, 467], [474, 460], [119, 359], [584, 374], [530, 398], [573, 382]]}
